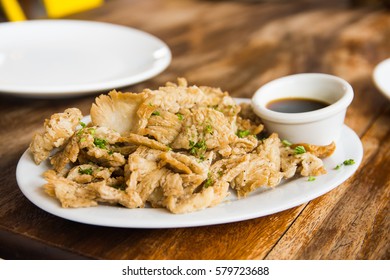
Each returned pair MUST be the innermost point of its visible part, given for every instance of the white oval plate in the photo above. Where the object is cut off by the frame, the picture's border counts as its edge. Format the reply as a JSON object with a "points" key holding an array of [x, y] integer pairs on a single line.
{"points": [[53, 58], [260, 203], [381, 76]]}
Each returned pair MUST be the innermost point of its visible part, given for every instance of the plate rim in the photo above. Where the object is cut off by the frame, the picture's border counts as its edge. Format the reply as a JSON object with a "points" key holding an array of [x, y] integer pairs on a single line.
{"points": [[89, 88], [73, 214], [377, 81]]}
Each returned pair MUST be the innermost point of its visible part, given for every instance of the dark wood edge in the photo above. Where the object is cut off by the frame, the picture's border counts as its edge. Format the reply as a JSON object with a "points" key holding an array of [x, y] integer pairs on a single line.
{"points": [[17, 247]]}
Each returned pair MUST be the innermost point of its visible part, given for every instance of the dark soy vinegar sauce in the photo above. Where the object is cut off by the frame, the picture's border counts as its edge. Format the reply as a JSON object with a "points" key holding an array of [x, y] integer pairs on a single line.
{"points": [[296, 105]]}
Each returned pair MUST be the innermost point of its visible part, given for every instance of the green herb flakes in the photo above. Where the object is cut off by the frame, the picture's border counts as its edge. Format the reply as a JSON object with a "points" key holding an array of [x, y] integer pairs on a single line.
{"points": [[208, 129], [100, 143], [311, 178], [156, 113], [85, 171], [198, 148], [299, 150], [92, 130], [286, 143], [180, 116], [349, 162], [345, 162], [242, 133], [209, 181]]}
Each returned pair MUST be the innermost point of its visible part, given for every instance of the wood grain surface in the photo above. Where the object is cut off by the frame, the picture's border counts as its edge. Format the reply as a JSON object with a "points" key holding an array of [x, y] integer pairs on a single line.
{"points": [[238, 46]]}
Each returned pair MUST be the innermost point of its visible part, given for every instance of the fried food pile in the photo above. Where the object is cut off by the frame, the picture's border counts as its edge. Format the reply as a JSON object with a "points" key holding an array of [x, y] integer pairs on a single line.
{"points": [[180, 147]]}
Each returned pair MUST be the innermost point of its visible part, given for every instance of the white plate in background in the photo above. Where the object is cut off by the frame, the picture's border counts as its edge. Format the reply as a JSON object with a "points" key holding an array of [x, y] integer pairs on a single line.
{"points": [[56, 58], [259, 203], [381, 77]]}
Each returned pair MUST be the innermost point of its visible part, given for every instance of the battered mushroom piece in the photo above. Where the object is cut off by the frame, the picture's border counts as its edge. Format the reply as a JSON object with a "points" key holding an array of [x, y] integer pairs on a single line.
{"points": [[176, 97], [304, 163], [76, 195], [117, 111], [219, 100], [87, 173], [163, 126], [171, 185], [140, 140], [144, 160], [97, 145], [190, 203], [247, 113], [112, 195], [175, 164], [204, 129], [208, 196], [240, 146], [311, 165], [318, 151], [246, 126], [89, 144], [149, 183], [263, 169], [69, 154], [228, 169], [57, 130], [188, 164], [170, 98], [68, 192]]}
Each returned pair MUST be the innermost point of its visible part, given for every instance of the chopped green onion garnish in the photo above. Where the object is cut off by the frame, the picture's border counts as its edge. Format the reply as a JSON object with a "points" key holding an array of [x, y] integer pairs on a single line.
{"points": [[180, 116], [349, 162], [242, 133], [345, 162], [100, 143], [299, 150], [209, 181], [86, 171], [208, 129], [198, 148], [286, 143], [92, 130], [311, 178], [156, 113]]}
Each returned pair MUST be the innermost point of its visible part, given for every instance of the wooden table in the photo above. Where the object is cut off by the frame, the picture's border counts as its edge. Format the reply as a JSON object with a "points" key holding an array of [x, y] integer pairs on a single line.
{"points": [[238, 46]]}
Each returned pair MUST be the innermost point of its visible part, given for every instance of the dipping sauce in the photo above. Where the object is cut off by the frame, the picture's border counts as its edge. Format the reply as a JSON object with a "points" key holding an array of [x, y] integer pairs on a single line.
{"points": [[296, 105]]}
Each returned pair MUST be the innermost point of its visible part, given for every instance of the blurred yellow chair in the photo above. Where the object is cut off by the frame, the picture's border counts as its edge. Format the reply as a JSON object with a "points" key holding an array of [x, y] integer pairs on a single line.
{"points": [[61, 8], [53, 8], [12, 10]]}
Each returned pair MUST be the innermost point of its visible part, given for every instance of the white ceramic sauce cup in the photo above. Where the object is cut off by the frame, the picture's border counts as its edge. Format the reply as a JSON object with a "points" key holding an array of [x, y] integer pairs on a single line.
{"points": [[319, 127]]}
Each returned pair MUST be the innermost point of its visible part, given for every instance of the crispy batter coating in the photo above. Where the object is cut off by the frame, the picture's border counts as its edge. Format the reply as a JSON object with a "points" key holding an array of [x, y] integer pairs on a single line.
{"points": [[57, 130], [318, 151], [117, 111], [179, 147]]}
